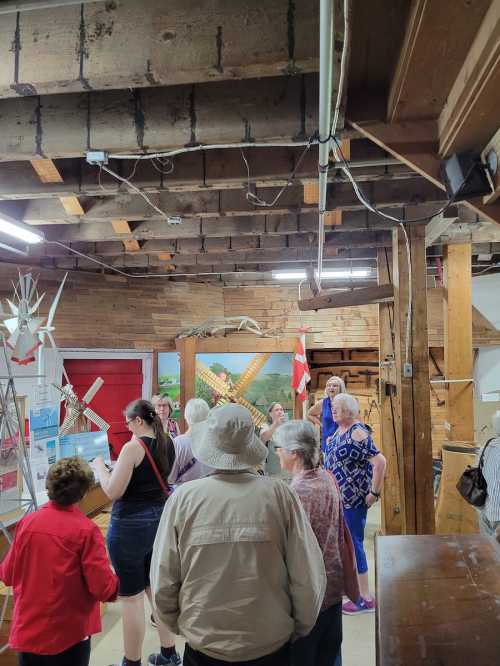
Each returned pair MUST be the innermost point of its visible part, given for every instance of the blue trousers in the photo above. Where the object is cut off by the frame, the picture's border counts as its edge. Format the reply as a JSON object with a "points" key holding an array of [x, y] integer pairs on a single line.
{"points": [[356, 522]]}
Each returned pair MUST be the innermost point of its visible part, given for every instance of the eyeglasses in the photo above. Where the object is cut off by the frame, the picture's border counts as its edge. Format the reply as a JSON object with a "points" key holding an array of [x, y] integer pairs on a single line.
{"points": [[129, 421]]}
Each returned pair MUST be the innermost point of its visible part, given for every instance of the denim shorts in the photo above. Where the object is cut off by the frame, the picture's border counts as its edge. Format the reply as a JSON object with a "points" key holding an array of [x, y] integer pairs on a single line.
{"points": [[130, 544]]}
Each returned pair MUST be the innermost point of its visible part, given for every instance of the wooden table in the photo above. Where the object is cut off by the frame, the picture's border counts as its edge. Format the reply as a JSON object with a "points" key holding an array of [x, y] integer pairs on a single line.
{"points": [[438, 600]]}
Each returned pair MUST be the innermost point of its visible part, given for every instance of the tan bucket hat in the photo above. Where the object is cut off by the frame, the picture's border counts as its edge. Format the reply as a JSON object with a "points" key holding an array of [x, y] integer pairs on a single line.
{"points": [[227, 440]]}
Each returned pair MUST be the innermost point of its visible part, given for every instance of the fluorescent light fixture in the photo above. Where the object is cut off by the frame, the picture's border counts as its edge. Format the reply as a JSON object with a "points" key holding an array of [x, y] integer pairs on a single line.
{"points": [[12, 227], [325, 275]]}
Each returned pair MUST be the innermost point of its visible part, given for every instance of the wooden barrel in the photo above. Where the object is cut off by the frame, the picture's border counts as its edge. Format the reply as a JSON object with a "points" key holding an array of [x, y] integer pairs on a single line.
{"points": [[453, 514]]}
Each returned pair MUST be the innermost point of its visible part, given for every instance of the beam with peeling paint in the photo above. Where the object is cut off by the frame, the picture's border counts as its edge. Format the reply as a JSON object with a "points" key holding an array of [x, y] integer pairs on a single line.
{"points": [[130, 44], [263, 110]]}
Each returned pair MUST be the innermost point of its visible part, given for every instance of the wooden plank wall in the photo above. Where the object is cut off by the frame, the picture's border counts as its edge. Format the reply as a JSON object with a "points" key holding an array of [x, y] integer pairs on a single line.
{"points": [[141, 314], [276, 307], [365, 388]]}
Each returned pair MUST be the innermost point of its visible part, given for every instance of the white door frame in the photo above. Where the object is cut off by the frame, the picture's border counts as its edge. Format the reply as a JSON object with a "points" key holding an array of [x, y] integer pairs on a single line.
{"points": [[145, 356]]}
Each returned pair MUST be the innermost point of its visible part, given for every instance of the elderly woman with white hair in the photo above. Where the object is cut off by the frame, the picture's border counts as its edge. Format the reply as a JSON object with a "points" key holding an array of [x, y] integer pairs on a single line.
{"points": [[321, 412], [186, 467], [298, 450], [359, 468]]}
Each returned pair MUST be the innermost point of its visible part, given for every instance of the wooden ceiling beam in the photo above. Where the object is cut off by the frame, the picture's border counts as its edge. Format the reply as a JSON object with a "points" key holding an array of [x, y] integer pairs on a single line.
{"points": [[333, 299], [437, 38], [217, 169], [415, 144], [214, 204], [137, 45], [155, 119], [470, 116]]}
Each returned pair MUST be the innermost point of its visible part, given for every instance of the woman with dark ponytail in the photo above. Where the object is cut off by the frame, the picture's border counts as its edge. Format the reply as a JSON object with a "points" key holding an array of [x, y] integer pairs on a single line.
{"points": [[138, 487]]}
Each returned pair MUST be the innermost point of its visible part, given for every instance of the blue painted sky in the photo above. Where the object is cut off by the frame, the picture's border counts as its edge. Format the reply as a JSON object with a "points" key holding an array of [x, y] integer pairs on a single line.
{"points": [[168, 364], [279, 363]]}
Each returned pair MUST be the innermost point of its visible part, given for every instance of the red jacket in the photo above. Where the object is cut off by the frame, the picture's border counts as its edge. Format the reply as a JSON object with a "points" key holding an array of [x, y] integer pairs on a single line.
{"points": [[59, 570]]}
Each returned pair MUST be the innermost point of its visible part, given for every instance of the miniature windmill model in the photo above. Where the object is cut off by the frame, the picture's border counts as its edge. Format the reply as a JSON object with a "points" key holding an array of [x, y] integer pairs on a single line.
{"points": [[228, 393], [77, 409], [21, 322], [47, 330]]}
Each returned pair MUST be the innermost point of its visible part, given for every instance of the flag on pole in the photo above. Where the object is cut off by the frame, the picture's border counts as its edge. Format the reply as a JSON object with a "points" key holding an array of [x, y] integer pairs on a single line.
{"points": [[300, 369]]}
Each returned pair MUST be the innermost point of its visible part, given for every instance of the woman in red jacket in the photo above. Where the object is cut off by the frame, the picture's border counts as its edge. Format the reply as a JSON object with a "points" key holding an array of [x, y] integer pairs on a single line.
{"points": [[59, 571]]}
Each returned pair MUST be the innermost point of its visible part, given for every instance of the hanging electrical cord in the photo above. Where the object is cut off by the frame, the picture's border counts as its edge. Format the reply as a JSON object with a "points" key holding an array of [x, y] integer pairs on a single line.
{"points": [[135, 189], [337, 150], [257, 201]]}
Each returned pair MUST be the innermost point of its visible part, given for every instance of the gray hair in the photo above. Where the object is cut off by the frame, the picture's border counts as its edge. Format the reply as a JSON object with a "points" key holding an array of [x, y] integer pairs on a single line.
{"points": [[347, 404], [300, 437], [196, 410]]}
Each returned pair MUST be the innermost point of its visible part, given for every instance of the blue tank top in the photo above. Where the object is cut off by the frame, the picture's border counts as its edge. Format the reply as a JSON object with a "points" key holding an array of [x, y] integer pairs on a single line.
{"points": [[328, 425]]}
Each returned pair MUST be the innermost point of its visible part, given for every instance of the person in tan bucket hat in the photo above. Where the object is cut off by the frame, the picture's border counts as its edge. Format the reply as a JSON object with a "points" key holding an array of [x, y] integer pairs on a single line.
{"points": [[236, 567]]}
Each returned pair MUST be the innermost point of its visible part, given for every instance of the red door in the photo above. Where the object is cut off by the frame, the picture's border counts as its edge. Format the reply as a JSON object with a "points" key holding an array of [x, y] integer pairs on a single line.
{"points": [[122, 384]]}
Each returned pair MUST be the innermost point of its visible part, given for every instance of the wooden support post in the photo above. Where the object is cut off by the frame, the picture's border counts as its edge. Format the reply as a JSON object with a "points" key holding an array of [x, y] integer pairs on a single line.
{"points": [[187, 350], [413, 389], [458, 341], [392, 498]]}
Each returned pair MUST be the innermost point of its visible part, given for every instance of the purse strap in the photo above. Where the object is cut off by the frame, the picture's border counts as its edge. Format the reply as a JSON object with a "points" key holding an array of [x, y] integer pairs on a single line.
{"points": [[155, 468], [481, 457]]}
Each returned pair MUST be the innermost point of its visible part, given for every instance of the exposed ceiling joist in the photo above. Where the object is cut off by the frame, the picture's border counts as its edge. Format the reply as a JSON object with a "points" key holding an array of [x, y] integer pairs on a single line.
{"points": [[213, 203], [437, 38], [155, 119], [415, 144], [470, 116], [191, 172], [130, 44]]}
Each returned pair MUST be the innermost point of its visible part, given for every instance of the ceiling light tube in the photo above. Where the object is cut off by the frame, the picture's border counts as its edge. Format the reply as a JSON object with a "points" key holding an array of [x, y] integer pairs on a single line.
{"points": [[325, 275], [11, 227]]}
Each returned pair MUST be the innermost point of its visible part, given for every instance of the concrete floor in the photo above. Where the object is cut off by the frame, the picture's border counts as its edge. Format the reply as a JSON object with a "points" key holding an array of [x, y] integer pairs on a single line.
{"points": [[359, 632]]}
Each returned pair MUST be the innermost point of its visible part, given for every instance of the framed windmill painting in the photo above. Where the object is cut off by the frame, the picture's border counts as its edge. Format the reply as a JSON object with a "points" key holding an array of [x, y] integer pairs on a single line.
{"points": [[252, 380]]}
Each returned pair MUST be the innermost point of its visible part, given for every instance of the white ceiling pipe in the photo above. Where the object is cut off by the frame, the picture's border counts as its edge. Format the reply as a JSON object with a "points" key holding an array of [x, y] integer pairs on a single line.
{"points": [[326, 34]]}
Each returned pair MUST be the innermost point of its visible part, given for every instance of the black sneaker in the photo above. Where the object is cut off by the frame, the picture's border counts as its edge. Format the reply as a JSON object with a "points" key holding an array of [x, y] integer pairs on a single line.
{"points": [[158, 659]]}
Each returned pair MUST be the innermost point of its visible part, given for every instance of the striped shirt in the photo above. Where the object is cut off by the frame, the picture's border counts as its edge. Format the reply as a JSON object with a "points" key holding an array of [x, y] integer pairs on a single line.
{"points": [[491, 472]]}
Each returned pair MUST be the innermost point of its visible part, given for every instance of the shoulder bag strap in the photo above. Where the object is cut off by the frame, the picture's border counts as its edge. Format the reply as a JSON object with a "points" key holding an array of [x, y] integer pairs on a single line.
{"points": [[155, 468], [481, 457]]}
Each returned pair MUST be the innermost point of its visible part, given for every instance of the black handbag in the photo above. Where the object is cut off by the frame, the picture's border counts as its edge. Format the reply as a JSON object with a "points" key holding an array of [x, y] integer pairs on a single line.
{"points": [[472, 484]]}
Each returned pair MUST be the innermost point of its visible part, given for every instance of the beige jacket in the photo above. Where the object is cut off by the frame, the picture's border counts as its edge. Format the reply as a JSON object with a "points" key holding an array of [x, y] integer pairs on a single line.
{"points": [[236, 567]]}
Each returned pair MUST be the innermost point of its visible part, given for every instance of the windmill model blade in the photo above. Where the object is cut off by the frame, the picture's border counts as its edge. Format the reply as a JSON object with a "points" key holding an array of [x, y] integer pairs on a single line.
{"points": [[55, 303], [93, 390], [251, 372], [72, 416], [95, 418]]}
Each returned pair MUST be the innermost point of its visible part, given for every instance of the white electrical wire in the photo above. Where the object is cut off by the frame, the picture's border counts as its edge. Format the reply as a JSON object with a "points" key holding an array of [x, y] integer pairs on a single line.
{"points": [[134, 188], [212, 146]]}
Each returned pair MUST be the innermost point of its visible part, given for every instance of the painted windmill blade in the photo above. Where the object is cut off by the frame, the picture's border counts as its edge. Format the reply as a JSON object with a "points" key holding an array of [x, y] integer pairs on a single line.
{"points": [[251, 372], [211, 379]]}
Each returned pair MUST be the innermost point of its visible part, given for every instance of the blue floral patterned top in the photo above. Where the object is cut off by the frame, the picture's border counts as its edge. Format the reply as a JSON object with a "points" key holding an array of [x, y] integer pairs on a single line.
{"points": [[348, 459]]}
